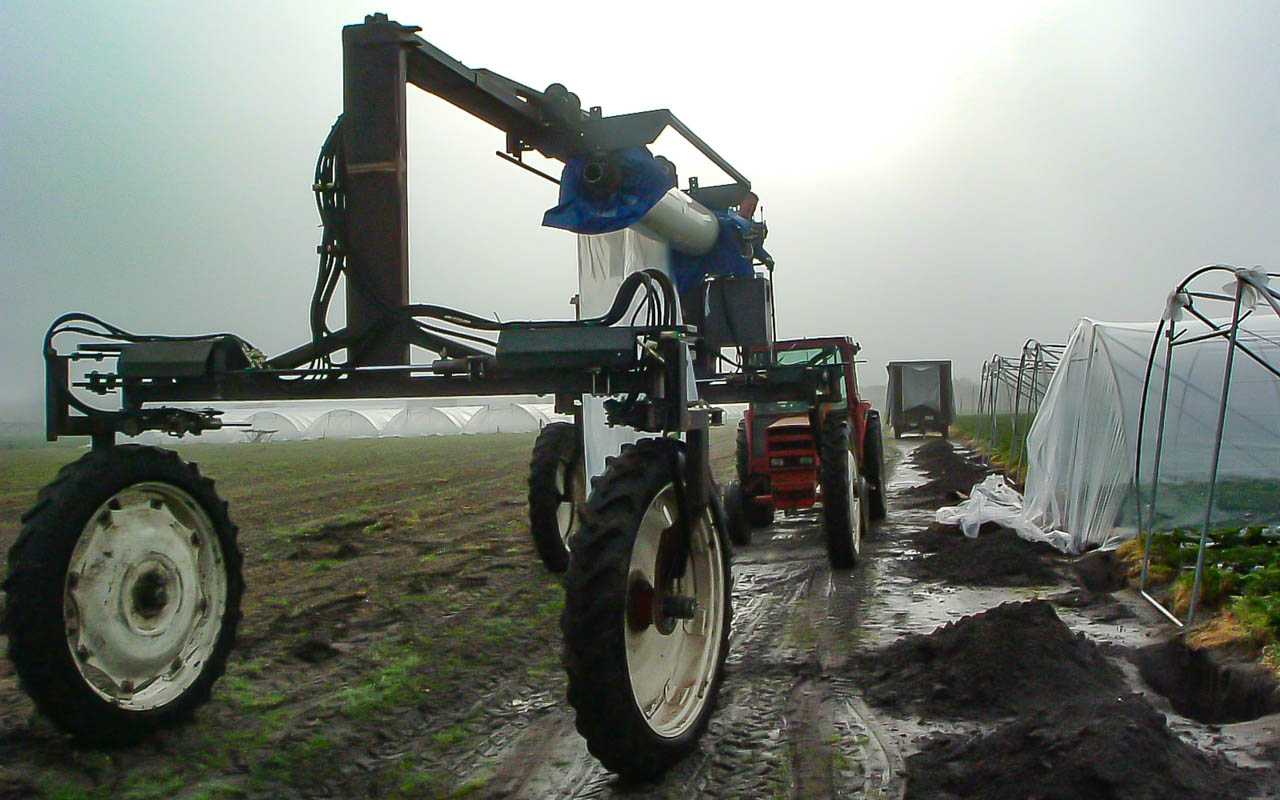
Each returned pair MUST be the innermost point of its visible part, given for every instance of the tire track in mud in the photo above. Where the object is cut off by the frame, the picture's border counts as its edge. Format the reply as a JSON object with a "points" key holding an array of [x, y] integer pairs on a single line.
{"points": [[789, 723]]}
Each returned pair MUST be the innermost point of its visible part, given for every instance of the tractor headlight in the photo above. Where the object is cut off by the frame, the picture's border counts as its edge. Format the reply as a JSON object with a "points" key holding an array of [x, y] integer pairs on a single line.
{"points": [[776, 462], [806, 461]]}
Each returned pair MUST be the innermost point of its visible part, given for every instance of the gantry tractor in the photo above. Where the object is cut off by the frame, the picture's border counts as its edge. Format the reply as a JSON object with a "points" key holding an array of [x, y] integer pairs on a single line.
{"points": [[795, 454], [123, 588]]}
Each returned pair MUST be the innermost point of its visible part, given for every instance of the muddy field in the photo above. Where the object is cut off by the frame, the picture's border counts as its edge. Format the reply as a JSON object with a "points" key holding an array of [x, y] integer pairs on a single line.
{"points": [[401, 640]]}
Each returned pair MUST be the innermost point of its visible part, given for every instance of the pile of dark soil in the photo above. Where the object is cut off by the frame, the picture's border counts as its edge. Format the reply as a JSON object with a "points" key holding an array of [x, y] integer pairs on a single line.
{"points": [[1100, 571], [950, 473], [998, 557], [1090, 748], [1014, 659]]}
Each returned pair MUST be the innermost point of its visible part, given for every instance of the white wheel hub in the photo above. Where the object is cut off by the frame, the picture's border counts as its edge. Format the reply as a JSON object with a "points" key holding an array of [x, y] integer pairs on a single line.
{"points": [[855, 505], [145, 593], [571, 484], [673, 627]]}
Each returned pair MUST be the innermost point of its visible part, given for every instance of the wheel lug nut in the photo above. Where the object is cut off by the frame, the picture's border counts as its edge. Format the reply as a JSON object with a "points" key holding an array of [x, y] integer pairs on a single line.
{"points": [[83, 653]]}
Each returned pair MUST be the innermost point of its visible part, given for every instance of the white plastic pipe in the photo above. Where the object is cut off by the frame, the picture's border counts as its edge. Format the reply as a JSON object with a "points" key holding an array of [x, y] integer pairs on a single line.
{"points": [[682, 222]]}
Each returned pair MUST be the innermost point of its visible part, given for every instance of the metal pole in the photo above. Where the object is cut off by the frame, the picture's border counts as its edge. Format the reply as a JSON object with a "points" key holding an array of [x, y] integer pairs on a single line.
{"points": [[1155, 470], [1217, 452], [995, 395], [1017, 409]]}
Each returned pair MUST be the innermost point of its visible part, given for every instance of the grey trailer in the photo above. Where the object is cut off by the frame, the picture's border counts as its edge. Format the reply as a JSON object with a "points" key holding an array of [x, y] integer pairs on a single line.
{"points": [[920, 397]]}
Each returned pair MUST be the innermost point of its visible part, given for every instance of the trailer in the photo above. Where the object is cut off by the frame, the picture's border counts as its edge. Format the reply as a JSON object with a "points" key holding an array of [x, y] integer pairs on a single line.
{"points": [[920, 397]]}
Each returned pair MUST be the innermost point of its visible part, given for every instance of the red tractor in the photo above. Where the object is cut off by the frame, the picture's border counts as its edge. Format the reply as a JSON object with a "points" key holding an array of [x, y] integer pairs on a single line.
{"points": [[793, 455]]}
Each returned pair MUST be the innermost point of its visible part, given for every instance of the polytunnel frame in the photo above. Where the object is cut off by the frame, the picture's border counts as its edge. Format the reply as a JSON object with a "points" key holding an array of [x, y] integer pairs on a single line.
{"points": [[1028, 380], [1247, 281]]}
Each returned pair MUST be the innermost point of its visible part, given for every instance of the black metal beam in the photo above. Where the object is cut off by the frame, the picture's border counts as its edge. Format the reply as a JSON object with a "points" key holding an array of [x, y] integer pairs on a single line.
{"points": [[374, 138]]}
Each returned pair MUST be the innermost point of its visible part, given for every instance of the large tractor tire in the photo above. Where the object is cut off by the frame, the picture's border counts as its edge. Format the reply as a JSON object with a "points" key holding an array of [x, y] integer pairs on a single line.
{"points": [[644, 650], [874, 469], [557, 492], [123, 594], [758, 515], [844, 506], [737, 519]]}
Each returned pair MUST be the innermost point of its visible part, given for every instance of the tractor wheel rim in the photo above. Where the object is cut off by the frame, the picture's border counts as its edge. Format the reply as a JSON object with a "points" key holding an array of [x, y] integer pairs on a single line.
{"points": [[571, 483], [672, 673], [855, 507], [144, 596]]}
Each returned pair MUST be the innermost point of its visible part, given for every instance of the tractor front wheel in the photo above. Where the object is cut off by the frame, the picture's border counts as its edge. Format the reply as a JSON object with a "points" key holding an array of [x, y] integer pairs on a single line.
{"points": [[557, 492], [874, 469], [123, 594], [645, 636], [844, 506]]}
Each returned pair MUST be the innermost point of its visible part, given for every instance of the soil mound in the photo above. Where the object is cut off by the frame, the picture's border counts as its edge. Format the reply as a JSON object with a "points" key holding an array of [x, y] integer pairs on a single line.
{"points": [[1015, 658], [998, 557], [1100, 571], [1092, 748], [949, 471]]}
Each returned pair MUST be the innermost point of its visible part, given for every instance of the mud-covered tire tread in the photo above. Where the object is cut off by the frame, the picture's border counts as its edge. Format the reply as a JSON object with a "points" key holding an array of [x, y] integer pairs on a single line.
{"points": [[874, 469], [742, 454], [758, 515], [837, 519], [592, 622], [34, 589], [557, 443], [737, 515]]}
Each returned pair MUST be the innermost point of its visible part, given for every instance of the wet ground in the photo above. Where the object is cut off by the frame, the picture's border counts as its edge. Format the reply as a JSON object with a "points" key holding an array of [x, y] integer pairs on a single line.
{"points": [[800, 716], [915, 675]]}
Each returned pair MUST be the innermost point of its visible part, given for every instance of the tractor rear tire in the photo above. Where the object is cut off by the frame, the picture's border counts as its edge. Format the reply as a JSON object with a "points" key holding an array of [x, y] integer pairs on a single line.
{"points": [[874, 469], [557, 492], [758, 515], [742, 454], [737, 515], [843, 493], [123, 594], [643, 696]]}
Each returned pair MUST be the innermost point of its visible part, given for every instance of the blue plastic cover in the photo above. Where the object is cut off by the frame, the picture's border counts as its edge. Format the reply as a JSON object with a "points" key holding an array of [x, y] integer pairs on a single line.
{"points": [[643, 183], [724, 259]]}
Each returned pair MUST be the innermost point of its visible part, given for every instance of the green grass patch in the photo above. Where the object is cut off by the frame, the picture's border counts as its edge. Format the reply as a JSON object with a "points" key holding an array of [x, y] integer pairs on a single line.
{"points": [[1005, 440], [1241, 575]]}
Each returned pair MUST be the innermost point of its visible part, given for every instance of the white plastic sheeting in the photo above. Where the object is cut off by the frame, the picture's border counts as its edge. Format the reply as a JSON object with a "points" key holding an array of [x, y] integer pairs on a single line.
{"points": [[430, 421], [604, 261], [1082, 447], [921, 386], [994, 500], [344, 423], [288, 423], [510, 418]]}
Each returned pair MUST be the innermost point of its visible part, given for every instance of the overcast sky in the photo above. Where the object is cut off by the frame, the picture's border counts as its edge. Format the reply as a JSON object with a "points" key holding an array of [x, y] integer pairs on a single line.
{"points": [[940, 180]]}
